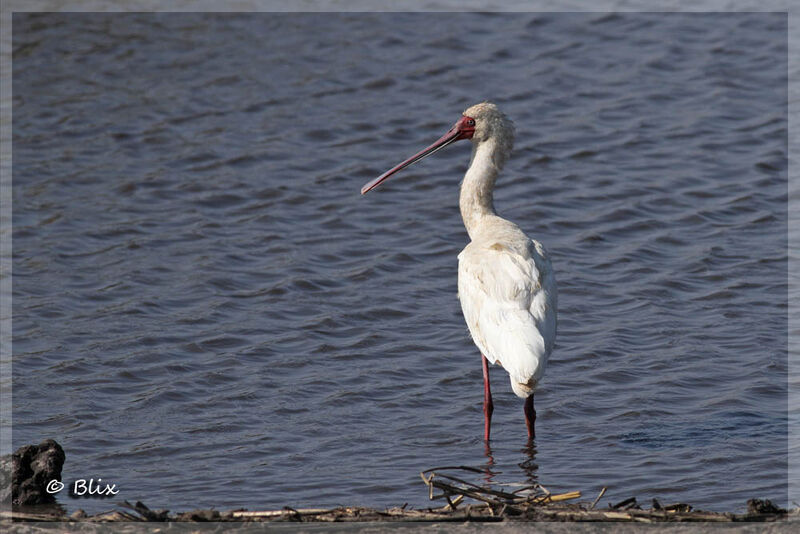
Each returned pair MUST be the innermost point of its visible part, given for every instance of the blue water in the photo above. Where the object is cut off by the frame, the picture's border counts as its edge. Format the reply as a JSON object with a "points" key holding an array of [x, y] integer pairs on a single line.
{"points": [[208, 314]]}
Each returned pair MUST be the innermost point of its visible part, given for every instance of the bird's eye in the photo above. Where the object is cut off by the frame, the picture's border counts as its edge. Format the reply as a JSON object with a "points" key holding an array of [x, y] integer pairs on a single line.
{"points": [[471, 122]]}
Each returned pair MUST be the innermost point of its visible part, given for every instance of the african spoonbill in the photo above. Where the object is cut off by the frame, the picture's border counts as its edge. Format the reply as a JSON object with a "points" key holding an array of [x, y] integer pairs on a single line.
{"points": [[506, 283]]}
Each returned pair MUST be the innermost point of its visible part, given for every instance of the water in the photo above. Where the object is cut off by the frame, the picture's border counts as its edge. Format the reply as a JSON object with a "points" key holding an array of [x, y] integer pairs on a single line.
{"points": [[207, 313]]}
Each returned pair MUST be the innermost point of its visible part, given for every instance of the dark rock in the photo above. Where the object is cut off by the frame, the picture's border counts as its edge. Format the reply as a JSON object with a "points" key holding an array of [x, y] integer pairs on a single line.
{"points": [[33, 467], [765, 506], [5, 478]]}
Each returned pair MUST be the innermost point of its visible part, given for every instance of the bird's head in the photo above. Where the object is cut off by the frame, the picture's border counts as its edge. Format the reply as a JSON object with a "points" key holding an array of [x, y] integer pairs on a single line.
{"points": [[490, 122], [479, 123]]}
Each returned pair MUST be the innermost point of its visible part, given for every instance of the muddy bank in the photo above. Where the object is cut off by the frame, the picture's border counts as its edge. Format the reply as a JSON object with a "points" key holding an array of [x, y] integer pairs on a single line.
{"points": [[758, 511], [463, 502], [549, 509]]}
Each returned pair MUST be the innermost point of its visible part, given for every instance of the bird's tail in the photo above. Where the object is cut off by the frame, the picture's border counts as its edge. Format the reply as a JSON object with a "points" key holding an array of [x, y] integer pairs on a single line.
{"points": [[523, 390]]}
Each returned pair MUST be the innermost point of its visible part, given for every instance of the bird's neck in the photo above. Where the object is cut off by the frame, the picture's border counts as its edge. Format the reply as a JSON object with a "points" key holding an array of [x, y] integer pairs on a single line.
{"points": [[476, 200]]}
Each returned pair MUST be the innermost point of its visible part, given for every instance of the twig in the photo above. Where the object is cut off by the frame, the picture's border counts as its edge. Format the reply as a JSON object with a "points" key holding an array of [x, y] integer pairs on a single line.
{"points": [[627, 503], [503, 494], [602, 492], [464, 467], [563, 496]]}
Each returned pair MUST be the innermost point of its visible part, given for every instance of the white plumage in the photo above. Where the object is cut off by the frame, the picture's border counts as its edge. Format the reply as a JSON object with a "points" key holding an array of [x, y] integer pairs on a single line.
{"points": [[508, 297], [505, 280]]}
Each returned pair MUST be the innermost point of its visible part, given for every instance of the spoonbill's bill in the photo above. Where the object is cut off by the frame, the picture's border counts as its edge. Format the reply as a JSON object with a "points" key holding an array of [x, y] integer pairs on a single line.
{"points": [[505, 281]]}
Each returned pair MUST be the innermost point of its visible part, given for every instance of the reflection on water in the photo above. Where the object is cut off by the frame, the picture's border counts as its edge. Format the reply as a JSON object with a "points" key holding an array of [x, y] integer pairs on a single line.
{"points": [[525, 476], [489, 478], [529, 466]]}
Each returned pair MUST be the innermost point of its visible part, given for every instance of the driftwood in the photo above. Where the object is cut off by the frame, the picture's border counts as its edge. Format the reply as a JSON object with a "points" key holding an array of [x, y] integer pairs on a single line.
{"points": [[536, 503], [529, 503]]}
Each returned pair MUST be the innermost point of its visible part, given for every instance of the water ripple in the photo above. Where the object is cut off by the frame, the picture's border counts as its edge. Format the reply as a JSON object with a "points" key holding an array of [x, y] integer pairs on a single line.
{"points": [[197, 279]]}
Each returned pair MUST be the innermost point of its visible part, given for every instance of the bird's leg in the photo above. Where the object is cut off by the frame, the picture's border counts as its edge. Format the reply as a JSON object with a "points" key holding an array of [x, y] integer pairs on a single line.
{"points": [[488, 406], [530, 416]]}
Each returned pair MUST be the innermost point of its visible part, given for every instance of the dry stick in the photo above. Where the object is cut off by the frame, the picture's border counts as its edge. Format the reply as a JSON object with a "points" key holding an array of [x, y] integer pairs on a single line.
{"points": [[617, 515], [492, 503], [602, 492], [427, 482], [463, 491], [547, 498], [455, 502], [626, 503], [547, 491], [530, 499], [538, 499], [449, 489], [464, 467], [563, 496], [22, 516], [279, 513], [503, 494], [535, 486]]}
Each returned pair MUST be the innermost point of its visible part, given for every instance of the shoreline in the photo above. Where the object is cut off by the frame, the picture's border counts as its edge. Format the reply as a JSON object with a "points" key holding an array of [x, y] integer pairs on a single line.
{"points": [[553, 509]]}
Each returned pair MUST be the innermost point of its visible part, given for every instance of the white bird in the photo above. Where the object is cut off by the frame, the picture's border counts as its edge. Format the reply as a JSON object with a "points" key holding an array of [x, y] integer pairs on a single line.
{"points": [[506, 283]]}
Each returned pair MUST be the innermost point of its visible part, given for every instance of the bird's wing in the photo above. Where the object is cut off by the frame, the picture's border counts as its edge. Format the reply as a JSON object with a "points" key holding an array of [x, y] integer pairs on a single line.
{"points": [[508, 299]]}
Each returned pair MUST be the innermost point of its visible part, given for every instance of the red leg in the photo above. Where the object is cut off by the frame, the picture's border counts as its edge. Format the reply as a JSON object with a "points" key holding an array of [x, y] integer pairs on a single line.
{"points": [[530, 416], [488, 406]]}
